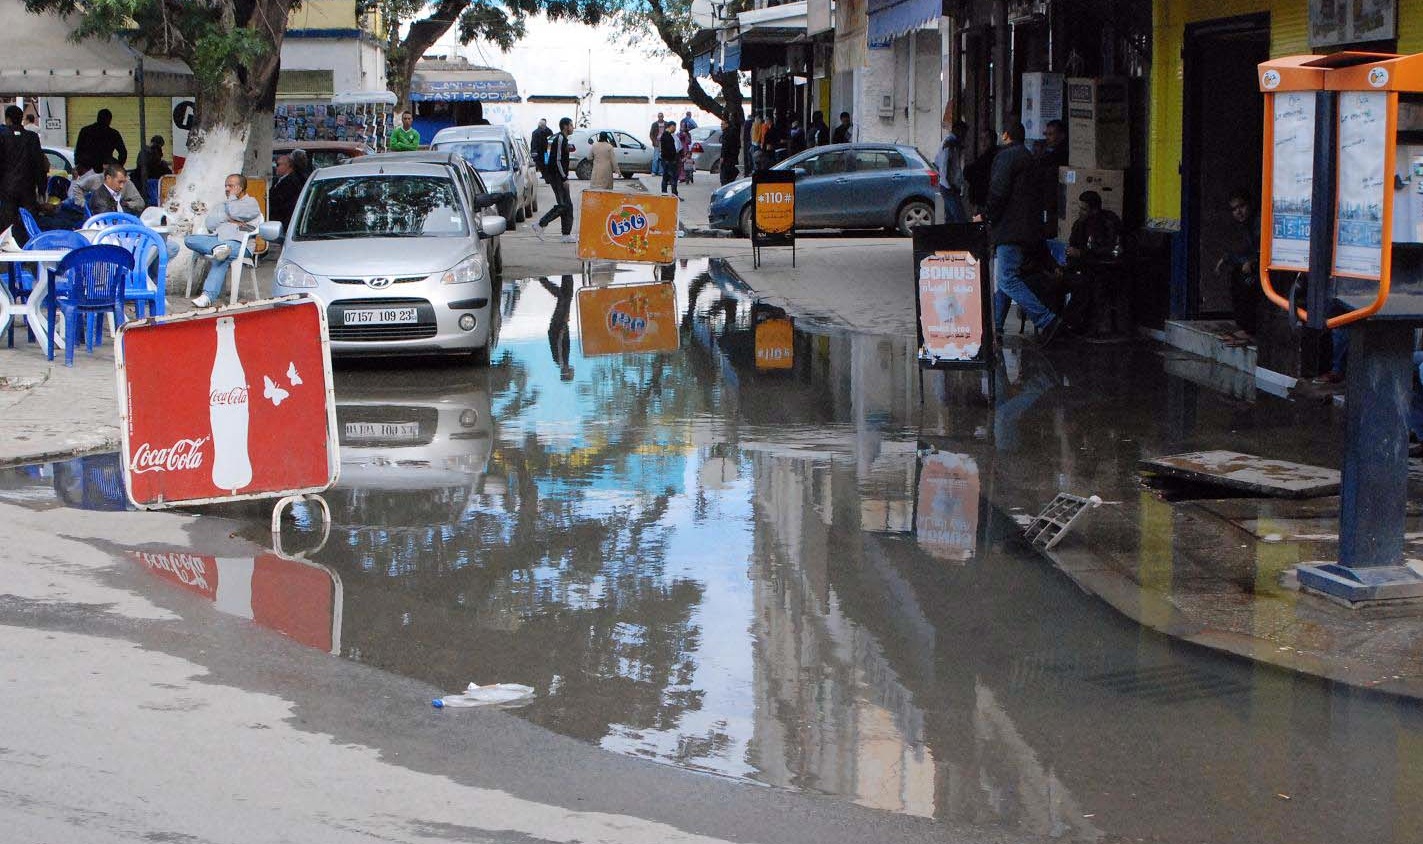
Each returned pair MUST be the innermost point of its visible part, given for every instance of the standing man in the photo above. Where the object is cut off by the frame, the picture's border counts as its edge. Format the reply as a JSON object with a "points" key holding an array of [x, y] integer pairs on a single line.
{"points": [[654, 134], [670, 156], [32, 123], [730, 151], [406, 138], [1051, 157], [557, 176], [1054, 152], [538, 146], [688, 124], [819, 134], [25, 168], [281, 197], [1014, 212], [841, 135], [99, 143], [949, 163]]}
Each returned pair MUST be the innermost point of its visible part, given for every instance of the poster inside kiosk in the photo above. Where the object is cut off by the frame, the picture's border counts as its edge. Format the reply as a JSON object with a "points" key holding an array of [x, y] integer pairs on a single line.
{"points": [[250, 413]]}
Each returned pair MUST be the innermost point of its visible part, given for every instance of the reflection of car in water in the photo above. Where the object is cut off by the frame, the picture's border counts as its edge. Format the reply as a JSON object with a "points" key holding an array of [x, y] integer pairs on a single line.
{"points": [[395, 435]]}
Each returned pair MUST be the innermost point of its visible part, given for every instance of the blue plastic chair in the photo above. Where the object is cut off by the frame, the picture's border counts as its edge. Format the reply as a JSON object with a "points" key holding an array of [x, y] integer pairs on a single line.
{"points": [[27, 220], [111, 218], [96, 277], [148, 250], [23, 280]]}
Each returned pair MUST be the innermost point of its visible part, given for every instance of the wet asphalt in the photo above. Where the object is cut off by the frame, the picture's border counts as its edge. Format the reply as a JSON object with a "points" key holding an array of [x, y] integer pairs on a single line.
{"points": [[779, 555]]}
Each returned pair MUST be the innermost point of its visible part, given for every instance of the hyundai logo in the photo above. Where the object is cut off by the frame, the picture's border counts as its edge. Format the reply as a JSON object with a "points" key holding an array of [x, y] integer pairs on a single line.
{"points": [[378, 283]]}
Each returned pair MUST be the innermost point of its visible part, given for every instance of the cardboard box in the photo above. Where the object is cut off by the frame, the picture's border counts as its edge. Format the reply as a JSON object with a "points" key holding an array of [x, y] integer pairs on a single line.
{"points": [[1097, 133], [1042, 101], [1072, 181]]}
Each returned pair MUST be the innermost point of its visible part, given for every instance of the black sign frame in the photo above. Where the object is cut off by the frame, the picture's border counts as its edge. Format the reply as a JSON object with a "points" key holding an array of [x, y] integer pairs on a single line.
{"points": [[957, 237], [759, 237]]}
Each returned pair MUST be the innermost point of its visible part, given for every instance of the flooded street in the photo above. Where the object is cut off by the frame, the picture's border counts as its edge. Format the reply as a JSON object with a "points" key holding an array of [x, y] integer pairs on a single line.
{"points": [[781, 555]]}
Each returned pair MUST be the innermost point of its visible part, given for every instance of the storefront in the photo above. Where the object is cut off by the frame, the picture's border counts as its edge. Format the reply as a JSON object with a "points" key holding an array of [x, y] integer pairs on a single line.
{"points": [[1205, 132], [456, 93]]}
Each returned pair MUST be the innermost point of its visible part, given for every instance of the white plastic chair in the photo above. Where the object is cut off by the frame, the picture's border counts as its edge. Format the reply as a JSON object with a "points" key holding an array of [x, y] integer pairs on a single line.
{"points": [[249, 259], [154, 216]]}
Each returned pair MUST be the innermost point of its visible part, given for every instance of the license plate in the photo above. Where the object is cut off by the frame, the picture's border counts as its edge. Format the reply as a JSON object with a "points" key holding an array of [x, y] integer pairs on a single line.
{"points": [[383, 430], [376, 316]]}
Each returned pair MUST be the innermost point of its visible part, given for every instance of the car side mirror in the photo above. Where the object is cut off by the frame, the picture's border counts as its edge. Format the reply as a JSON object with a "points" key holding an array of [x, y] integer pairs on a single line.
{"points": [[269, 230], [492, 226], [801, 172], [491, 199]]}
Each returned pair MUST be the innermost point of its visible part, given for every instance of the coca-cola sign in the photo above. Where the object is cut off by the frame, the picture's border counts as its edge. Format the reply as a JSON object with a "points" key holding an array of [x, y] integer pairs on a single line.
{"points": [[250, 414], [227, 396], [180, 456]]}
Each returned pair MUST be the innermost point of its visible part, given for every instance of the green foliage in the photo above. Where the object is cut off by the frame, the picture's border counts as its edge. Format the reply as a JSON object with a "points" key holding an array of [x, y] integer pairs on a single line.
{"points": [[215, 52]]}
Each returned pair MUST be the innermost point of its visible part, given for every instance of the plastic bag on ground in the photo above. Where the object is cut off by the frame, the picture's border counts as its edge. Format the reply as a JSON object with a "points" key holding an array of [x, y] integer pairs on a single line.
{"points": [[500, 694]]}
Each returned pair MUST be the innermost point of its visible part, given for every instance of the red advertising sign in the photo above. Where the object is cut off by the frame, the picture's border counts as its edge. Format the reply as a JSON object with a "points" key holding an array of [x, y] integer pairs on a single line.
{"points": [[299, 599], [227, 405]]}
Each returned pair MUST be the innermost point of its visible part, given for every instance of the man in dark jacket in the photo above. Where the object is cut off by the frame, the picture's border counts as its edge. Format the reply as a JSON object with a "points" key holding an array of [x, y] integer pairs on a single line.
{"points": [[842, 133], [730, 151], [99, 143], [23, 168], [538, 145], [557, 176], [1014, 211], [671, 159], [281, 197], [819, 132]]}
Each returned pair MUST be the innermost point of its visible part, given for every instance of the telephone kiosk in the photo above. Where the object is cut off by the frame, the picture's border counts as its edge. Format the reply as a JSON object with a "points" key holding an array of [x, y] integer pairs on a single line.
{"points": [[1342, 248]]}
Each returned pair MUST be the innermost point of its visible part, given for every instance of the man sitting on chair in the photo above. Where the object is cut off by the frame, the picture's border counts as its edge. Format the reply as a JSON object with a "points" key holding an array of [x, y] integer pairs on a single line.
{"points": [[228, 222], [111, 191]]}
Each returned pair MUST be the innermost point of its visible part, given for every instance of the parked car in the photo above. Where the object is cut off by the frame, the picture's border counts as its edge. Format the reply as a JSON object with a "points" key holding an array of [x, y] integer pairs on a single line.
{"points": [[531, 176], [846, 186], [402, 250], [322, 153], [61, 161], [492, 151], [633, 155], [706, 148]]}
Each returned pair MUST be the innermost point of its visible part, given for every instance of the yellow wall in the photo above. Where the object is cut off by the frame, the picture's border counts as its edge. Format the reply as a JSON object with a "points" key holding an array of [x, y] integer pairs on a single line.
{"points": [[81, 111], [328, 14], [1288, 36]]}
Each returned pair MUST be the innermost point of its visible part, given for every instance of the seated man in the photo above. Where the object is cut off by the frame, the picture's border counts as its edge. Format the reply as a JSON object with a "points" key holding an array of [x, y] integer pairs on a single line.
{"points": [[282, 196], [228, 222], [114, 193], [1093, 255]]}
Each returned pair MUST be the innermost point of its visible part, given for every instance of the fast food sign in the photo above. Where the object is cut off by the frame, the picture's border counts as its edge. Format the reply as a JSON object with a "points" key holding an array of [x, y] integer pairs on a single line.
{"points": [[628, 227]]}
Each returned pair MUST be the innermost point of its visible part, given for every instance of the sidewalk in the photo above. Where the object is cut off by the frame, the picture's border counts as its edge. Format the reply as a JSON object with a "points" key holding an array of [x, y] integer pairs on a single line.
{"points": [[1192, 563]]}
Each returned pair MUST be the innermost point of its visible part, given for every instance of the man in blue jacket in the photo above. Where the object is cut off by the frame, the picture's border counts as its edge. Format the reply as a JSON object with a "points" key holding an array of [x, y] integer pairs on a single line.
{"points": [[1015, 213]]}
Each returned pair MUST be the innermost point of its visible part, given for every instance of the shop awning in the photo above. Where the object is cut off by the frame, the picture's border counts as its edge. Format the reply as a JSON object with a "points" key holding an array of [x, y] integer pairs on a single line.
{"points": [[37, 59], [889, 19], [773, 24], [487, 85]]}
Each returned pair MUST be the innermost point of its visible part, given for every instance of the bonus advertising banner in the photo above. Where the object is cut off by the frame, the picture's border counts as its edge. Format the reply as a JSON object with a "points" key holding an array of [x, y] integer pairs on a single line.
{"points": [[628, 318], [629, 227], [227, 404], [951, 317]]}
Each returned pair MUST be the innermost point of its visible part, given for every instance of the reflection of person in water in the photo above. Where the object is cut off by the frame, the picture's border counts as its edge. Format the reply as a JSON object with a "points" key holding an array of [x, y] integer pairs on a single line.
{"points": [[558, 338], [1008, 415]]}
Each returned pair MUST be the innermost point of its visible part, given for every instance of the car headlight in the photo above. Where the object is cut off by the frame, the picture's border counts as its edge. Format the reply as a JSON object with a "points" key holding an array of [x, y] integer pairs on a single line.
{"points": [[468, 270], [291, 275]]}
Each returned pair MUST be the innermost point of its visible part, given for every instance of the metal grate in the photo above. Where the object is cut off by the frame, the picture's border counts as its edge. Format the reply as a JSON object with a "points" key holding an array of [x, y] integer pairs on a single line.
{"points": [[369, 333], [410, 279], [1058, 518], [1167, 684]]}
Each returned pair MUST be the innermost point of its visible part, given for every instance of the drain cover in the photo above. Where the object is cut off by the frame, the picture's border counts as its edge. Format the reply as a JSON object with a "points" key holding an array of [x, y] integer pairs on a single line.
{"points": [[1246, 472]]}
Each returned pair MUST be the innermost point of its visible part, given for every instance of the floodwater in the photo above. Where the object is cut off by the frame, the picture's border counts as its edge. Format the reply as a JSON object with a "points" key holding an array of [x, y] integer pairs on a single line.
{"points": [[778, 554]]}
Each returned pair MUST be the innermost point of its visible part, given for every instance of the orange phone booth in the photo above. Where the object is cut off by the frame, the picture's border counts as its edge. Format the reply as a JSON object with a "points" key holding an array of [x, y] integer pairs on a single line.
{"points": [[1341, 247]]}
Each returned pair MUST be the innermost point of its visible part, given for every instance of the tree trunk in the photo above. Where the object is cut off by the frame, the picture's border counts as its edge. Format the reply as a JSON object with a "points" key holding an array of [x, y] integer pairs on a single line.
{"points": [[421, 36]]}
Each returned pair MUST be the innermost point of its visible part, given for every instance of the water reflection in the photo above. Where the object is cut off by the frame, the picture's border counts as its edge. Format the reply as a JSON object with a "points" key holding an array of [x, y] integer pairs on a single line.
{"points": [[764, 556]]}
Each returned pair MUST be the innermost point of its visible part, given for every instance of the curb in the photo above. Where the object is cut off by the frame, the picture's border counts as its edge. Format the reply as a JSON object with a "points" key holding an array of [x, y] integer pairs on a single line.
{"points": [[98, 444]]}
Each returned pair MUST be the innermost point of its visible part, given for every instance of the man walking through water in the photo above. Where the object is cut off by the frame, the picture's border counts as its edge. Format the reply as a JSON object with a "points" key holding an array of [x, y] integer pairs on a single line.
{"points": [[557, 177]]}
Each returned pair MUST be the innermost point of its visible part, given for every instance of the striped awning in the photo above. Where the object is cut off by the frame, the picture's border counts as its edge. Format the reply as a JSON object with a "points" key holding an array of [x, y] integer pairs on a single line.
{"points": [[889, 19]]}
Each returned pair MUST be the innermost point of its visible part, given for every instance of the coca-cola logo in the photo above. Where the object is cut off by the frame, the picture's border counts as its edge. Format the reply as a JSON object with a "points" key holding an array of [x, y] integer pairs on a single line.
{"points": [[229, 395], [180, 456], [190, 569]]}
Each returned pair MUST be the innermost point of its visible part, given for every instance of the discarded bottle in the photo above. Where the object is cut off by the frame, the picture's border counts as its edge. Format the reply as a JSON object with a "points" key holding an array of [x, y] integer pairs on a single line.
{"points": [[503, 694]]}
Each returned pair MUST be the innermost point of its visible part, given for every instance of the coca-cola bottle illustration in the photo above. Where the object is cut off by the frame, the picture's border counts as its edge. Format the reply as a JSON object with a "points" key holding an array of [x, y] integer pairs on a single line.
{"points": [[228, 412]]}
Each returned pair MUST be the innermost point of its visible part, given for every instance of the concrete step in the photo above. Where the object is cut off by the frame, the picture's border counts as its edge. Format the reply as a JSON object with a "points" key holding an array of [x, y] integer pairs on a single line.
{"points": [[1205, 338]]}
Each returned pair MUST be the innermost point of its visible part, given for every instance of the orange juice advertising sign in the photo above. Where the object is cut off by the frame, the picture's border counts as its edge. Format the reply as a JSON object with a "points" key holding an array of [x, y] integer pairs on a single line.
{"points": [[775, 347], [636, 227], [951, 306], [628, 318], [775, 207]]}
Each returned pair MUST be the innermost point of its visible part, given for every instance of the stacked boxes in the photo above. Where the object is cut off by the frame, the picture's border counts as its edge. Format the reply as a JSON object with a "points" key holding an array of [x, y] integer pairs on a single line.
{"points": [[1098, 136]]}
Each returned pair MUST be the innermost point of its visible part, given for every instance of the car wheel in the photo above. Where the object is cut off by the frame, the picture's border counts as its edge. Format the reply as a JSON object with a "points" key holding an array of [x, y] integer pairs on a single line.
{"points": [[912, 214], [585, 170], [624, 175], [746, 221], [519, 213]]}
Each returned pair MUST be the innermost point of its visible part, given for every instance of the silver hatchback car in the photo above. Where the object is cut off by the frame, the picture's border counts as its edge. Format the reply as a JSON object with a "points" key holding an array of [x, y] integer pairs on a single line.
{"points": [[402, 251]]}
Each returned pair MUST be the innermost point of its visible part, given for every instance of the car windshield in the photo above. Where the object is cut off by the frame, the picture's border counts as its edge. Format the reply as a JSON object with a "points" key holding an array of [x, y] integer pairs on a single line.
{"points": [[381, 206], [486, 156]]}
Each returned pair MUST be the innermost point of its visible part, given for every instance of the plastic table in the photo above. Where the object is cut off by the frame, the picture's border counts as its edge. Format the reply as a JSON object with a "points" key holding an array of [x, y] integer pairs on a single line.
{"points": [[32, 310]]}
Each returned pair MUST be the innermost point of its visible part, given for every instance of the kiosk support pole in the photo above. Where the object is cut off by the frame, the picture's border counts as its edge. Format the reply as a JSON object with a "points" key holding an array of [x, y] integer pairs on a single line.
{"points": [[1321, 215]]}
